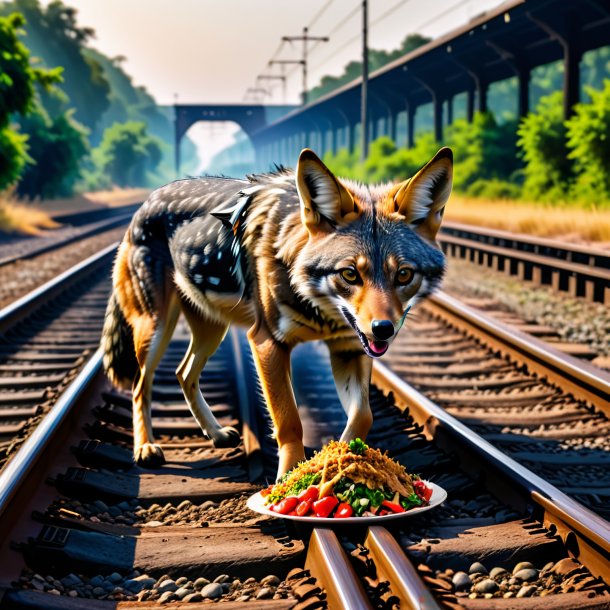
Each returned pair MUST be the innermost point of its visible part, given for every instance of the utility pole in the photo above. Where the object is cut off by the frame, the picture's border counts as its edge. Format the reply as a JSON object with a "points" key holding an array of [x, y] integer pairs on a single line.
{"points": [[275, 77], [364, 152], [305, 38]]}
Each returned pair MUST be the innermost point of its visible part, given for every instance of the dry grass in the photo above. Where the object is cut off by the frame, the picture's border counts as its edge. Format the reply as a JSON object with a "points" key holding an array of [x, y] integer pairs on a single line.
{"points": [[573, 224], [21, 218]]}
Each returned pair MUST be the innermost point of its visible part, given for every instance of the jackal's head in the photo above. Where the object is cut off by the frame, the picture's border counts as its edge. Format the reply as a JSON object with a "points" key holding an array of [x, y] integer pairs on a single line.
{"points": [[371, 251]]}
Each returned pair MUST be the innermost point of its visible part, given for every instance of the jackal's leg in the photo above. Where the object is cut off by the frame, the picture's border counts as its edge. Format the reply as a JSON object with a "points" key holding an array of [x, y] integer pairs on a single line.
{"points": [[352, 373], [206, 336], [150, 339], [273, 365]]}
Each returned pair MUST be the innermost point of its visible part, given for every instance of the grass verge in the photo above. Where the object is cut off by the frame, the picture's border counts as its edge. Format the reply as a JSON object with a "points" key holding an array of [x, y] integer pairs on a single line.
{"points": [[17, 218], [568, 224]]}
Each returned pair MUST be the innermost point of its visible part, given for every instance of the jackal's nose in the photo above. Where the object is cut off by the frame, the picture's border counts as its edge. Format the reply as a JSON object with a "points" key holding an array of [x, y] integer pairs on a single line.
{"points": [[382, 329]]}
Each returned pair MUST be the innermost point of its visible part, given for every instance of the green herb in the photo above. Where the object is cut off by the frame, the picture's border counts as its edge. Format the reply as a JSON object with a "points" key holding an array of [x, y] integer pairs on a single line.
{"points": [[307, 480], [358, 446], [411, 501]]}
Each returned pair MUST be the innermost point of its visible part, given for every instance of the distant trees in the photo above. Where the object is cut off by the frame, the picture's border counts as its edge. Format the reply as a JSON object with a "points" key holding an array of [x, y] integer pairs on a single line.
{"points": [[56, 40], [58, 144], [51, 119], [377, 59], [17, 97], [127, 153]]}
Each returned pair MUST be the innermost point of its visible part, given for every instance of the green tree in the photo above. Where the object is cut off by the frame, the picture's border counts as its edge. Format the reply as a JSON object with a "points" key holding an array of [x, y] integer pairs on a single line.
{"points": [[56, 146], [127, 153], [483, 150], [54, 36], [17, 80], [377, 59], [542, 140], [588, 139]]}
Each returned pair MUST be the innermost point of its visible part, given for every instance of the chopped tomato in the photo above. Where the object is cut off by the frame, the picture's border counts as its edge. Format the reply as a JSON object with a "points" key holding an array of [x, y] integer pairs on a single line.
{"points": [[265, 492], [344, 510], [292, 513], [304, 508], [287, 505], [422, 490], [395, 508], [311, 493], [325, 506]]}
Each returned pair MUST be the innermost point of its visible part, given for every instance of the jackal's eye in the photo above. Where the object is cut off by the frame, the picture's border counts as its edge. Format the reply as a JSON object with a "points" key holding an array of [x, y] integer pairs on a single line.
{"points": [[404, 276], [350, 275]]}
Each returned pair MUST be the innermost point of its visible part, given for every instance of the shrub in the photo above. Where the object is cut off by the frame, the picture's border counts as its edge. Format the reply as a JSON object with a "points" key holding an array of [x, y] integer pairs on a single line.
{"points": [[588, 135], [542, 139]]}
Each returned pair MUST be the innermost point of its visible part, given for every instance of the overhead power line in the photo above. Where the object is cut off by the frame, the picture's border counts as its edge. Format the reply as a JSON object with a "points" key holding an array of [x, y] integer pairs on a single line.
{"points": [[319, 14]]}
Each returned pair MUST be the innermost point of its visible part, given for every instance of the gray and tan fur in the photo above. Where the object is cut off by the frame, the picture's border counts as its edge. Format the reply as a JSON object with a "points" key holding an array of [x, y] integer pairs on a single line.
{"points": [[294, 257]]}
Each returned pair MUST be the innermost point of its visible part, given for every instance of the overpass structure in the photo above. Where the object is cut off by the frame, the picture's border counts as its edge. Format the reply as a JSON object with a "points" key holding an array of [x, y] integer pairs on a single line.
{"points": [[251, 118], [510, 40]]}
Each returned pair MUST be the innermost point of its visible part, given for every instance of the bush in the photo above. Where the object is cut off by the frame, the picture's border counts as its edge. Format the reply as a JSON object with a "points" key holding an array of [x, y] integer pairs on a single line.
{"points": [[56, 146], [542, 139], [127, 153], [13, 156], [588, 135], [483, 150], [494, 189]]}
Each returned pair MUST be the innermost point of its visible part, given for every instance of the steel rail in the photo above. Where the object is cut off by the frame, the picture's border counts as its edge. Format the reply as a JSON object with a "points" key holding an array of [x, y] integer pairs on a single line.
{"points": [[583, 380], [93, 229], [393, 566], [567, 515], [579, 271], [328, 563], [17, 310], [569, 252], [540, 260], [29, 454]]}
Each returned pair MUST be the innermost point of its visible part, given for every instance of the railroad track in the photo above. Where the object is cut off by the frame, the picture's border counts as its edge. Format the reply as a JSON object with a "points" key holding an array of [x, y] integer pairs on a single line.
{"points": [[546, 409], [102, 530], [581, 271], [45, 338], [78, 226]]}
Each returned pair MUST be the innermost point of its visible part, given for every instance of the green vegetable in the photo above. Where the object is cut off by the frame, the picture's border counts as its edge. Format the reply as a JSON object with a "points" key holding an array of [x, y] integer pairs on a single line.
{"points": [[307, 480], [358, 446]]}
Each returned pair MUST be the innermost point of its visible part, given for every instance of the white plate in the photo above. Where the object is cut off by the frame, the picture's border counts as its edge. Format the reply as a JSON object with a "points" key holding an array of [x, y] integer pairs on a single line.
{"points": [[439, 495]]}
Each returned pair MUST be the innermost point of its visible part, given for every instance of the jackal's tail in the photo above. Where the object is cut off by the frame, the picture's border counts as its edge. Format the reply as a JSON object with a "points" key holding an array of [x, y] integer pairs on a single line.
{"points": [[117, 342]]}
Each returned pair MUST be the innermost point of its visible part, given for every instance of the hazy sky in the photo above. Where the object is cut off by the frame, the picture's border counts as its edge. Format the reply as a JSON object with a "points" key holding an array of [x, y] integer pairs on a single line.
{"points": [[212, 50]]}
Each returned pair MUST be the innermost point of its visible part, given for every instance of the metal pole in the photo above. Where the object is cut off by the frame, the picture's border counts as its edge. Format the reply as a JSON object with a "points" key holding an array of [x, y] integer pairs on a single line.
{"points": [[364, 153], [177, 138], [304, 65]]}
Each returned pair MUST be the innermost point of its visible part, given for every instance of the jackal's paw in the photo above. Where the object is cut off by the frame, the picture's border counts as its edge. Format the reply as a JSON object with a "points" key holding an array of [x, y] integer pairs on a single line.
{"points": [[226, 437], [149, 455]]}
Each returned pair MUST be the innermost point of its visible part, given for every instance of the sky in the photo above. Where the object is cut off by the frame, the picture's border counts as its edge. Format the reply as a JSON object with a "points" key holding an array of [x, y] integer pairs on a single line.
{"points": [[211, 51]]}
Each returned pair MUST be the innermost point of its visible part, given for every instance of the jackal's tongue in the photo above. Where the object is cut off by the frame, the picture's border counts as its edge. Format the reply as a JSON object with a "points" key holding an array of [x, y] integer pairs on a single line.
{"points": [[378, 347]]}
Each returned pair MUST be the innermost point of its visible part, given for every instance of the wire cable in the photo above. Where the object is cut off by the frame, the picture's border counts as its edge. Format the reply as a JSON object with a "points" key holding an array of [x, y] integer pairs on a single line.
{"points": [[319, 14]]}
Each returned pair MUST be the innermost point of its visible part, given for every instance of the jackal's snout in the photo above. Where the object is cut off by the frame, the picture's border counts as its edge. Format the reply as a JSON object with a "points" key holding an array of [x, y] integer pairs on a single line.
{"points": [[382, 329]]}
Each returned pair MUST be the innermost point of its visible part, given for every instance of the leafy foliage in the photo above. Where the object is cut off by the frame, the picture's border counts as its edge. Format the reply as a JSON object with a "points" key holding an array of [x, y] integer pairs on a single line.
{"points": [[17, 96], [588, 138], [127, 153], [55, 38], [56, 145], [377, 59], [483, 150], [542, 139]]}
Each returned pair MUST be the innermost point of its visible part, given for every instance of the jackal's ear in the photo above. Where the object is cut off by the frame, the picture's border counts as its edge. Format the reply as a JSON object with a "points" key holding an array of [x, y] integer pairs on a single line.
{"points": [[421, 200], [325, 202]]}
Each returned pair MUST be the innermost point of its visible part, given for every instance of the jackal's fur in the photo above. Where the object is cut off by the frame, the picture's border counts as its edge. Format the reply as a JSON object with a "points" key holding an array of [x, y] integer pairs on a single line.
{"points": [[293, 256]]}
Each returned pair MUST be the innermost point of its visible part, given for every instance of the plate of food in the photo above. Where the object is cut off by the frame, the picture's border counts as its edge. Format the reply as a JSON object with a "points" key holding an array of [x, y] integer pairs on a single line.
{"points": [[347, 483]]}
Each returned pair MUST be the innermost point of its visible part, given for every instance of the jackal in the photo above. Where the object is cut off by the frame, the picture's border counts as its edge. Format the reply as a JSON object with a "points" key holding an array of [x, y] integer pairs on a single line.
{"points": [[294, 256]]}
